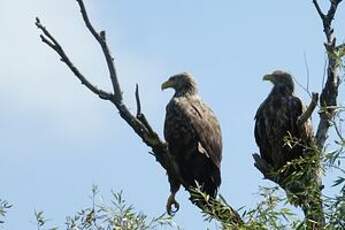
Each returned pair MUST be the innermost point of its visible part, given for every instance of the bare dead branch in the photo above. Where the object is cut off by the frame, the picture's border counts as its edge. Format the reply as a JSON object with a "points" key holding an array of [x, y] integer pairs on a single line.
{"points": [[309, 111], [101, 38], [48, 39], [328, 99], [138, 123], [150, 138]]}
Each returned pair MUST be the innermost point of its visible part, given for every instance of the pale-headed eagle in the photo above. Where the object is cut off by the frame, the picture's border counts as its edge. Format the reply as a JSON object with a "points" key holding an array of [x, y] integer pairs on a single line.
{"points": [[194, 139], [277, 118]]}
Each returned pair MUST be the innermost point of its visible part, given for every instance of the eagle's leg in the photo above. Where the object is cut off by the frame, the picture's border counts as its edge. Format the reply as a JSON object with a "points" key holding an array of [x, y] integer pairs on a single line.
{"points": [[172, 202], [173, 206]]}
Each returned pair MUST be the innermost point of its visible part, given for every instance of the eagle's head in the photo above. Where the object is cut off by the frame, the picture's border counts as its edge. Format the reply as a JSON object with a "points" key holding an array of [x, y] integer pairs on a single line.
{"points": [[183, 84], [281, 79]]}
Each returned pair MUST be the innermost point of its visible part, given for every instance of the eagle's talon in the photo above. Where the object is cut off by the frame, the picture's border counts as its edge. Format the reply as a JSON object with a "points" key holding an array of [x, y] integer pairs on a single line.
{"points": [[172, 203]]}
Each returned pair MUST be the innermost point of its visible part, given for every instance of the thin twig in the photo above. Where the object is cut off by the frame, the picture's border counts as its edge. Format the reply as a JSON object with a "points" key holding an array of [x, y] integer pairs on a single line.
{"points": [[137, 97], [303, 87], [307, 70], [141, 117]]}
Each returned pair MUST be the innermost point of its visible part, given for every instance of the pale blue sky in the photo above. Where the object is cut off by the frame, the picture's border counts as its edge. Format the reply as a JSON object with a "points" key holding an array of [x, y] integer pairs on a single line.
{"points": [[57, 139]]}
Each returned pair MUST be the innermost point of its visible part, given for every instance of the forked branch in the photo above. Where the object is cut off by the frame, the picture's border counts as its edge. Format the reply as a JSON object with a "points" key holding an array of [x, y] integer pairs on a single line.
{"points": [[101, 39], [138, 123], [328, 18], [329, 95], [48, 39]]}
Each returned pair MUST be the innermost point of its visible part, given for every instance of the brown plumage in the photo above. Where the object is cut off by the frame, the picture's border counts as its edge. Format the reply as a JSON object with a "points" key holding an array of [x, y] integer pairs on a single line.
{"points": [[194, 138], [277, 118]]}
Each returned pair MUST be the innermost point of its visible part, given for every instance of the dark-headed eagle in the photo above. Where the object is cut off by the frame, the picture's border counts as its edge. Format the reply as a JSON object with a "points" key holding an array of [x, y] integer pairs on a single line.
{"points": [[277, 118], [194, 139]]}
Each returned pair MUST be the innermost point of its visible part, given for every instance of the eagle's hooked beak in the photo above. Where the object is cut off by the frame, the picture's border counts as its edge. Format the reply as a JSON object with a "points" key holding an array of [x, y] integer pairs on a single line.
{"points": [[268, 77], [167, 84]]}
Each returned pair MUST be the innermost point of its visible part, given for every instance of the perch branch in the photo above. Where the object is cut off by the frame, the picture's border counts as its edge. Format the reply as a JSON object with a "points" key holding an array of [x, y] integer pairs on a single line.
{"points": [[137, 122], [265, 168], [310, 109]]}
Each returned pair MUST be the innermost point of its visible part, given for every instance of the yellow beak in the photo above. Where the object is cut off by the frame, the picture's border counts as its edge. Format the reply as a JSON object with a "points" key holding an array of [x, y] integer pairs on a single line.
{"points": [[268, 77], [167, 84]]}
